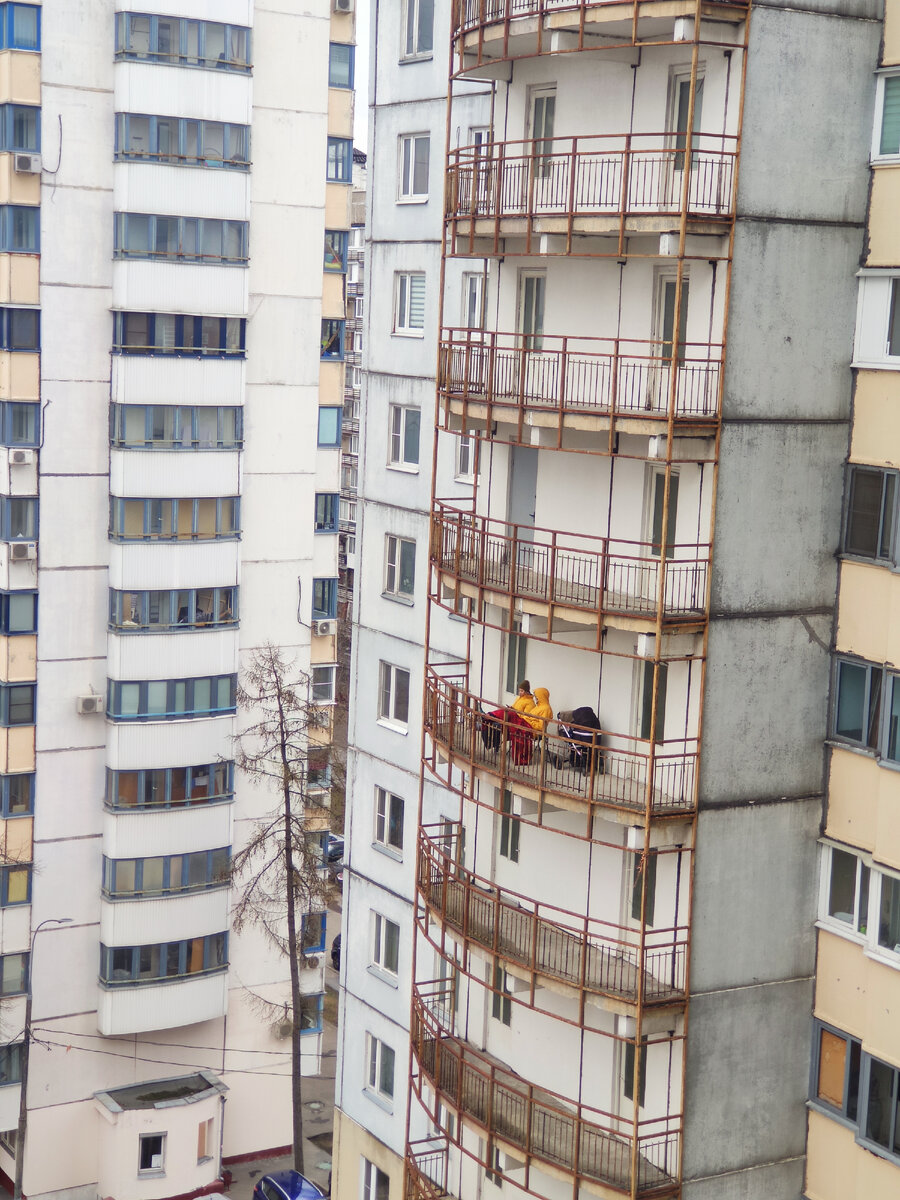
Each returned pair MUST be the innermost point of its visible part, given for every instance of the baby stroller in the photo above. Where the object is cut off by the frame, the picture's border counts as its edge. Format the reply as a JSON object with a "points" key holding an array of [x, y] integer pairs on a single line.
{"points": [[584, 742]]}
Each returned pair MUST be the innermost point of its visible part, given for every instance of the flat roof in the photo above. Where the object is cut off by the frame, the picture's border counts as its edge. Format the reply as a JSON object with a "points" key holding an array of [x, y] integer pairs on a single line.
{"points": [[161, 1093]]}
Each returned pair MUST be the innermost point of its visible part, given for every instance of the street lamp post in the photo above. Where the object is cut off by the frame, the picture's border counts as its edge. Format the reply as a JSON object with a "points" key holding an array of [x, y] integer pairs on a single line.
{"points": [[26, 1043]]}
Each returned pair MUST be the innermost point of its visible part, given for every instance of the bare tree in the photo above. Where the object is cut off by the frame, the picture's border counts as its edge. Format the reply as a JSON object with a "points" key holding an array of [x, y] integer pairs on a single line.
{"points": [[278, 873]]}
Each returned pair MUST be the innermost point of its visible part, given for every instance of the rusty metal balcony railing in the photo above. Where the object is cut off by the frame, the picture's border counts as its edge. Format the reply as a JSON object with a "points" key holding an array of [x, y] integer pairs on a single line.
{"points": [[576, 1138], [618, 772], [555, 377], [578, 950], [576, 572], [607, 175], [426, 1170]]}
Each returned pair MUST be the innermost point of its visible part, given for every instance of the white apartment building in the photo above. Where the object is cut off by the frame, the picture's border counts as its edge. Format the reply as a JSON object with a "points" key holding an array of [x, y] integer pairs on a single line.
{"points": [[172, 376], [609, 334]]}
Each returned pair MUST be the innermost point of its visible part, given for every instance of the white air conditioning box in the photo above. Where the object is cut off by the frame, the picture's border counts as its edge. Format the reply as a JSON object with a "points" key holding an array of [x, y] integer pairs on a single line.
{"points": [[21, 458], [27, 164], [88, 705], [22, 551], [323, 628], [343, 6]]}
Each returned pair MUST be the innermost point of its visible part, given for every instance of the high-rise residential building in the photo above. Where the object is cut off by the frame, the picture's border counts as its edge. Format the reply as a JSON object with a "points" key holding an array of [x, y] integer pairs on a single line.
{"points": [[854, 1124], [580, 935], [174, 193]]}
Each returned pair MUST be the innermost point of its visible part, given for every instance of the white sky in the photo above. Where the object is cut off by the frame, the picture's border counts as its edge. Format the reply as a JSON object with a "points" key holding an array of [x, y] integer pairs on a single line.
{"points": [[361, 114]]}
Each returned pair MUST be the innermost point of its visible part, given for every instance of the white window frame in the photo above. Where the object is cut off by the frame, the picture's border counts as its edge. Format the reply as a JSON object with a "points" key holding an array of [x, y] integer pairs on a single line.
{"points": [[332, 683], [396, 461], [880, 78], [867, 939], [383, 805], [375, 1060], [406, 169], [152, 1172], [393, 557], [371, 1181], [381, 956], [472, 291], [387, 686], [412, 11], [404, 284], [466, 458], [873, 319]]}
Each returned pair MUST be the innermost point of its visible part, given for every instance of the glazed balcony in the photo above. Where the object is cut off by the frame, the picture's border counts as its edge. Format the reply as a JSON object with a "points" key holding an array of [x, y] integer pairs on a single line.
{"points": [[568, 579], [571, 384], [488, 32], [594, 1146], [623, 775], [549, 942], [537, 196]]}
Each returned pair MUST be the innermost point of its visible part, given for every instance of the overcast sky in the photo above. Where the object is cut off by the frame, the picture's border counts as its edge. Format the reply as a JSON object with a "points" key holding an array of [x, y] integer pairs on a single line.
{"points": [[361, 116]]}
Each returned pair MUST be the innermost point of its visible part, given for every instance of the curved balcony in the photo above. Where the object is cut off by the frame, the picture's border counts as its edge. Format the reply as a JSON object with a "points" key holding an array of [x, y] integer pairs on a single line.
{"points": [[536, 196], [561, 946], [569, 383], [566, 1136], [568, 577], [426, 1170], [487, 32], [618, 773]]}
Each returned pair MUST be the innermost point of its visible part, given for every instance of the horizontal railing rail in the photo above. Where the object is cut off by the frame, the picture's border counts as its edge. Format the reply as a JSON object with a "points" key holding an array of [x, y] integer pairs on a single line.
{"points": [[579, 1139], [614, 175], [580, 376], [582, 951], [470, 15], [426, 1170], [591, 574], [593, 766]]}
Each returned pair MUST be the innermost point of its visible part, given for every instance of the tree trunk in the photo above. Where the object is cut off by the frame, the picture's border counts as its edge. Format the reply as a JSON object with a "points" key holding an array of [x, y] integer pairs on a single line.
{"points": [[293, 958]]}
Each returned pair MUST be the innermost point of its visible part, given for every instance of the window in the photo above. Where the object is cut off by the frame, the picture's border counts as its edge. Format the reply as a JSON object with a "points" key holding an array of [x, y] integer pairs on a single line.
{"points": [[380, 1074], [419, 39], [324, 605], [152, 1155], [13, 974], [886, 142], [312, 933], [871, 510], [847, 889], [170, 787], [311, 1011], [866, 707], [889, 913], [206, 1145], [20, 27], [466, 450], [181, 42], [336, 250], [323, 680], [170, 699], [376, 1185], [409, 304], [638, 862], [393, 694], [130, 965], [17, 795], [501, 1002], [199, 520], [646, 700], [329, 437], [20, 423], [18, 612], [628, 1071], [166, 875], [388, 819], [16, 704], [175, 427], [332, 343], [836, 1068], [340, 65], [19, 229], [404, 436], [15, 885], [171, 333], [20, 329], [385, 944], [399, 567], [415, 152], [339, 168], [18, 518], [182, 141], [509, 828], [188, 608], [494, 1170], [327, 510], [516, 654], [10, 1064], [181, 239], [473, 300]]}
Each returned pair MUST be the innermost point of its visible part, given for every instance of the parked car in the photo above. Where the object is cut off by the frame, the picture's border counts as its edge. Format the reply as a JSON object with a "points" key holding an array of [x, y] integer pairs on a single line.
{"points": [[334, 848], [286, 1185], [336, 953]]}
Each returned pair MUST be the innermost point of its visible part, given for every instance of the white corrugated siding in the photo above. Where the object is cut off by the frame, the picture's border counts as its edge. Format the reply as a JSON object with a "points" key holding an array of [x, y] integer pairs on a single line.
{"points": [[185, 655], [164, 918], [180, 287], [174, 473], [155, 565], [150, 187], [161, 1006], [209, 95], [129, 834], [130, 747], [145, 379]]}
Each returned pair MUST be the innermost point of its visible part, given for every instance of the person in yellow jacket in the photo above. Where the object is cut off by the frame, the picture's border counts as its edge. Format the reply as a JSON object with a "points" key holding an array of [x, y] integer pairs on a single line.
{"points": [[524, 702], [540, 713]]}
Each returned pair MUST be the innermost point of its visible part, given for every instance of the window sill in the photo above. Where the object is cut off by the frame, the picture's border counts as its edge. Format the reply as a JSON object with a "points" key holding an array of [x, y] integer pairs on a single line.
{"points": [[881, 954], [394, 726], [891, 364], [406, 60], [388, 851], [842, 930], [416, 334], [406, 468], [207, 626], [832, 1114], [382, 1101], [385, 976], [412, 199], [398, 598], [158, 1174]]}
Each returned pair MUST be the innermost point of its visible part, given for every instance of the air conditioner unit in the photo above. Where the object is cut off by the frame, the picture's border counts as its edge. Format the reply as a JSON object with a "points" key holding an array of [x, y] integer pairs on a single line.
{"points": [[323, 628], [343, 6], [21, 458], [646, 645], [28, 164], [283, 1029], [311, 962], [88, 705], [23, 551]]}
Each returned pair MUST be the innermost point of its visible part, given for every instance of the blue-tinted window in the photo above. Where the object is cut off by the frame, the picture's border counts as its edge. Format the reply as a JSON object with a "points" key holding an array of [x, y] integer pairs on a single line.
{"points": [[20, 230], [15, 885], [181, 239], [324, 605], [181, 608], [332, 347], [336, 250], [11, 1062], [18, 612], [167, 874], [182, 141], [20, 329], [170, 787], [13, 977], [174, 333], [182, 42], [311, 1008], [341, 65], [124, 965], [330, 427], [17, 795], [170, 699], [176, 427], [20, 128], [340, 160], [17, 704], [202, 519], [327, 508], [21, 26], [313, 933], [20, 423], [18, 518]]}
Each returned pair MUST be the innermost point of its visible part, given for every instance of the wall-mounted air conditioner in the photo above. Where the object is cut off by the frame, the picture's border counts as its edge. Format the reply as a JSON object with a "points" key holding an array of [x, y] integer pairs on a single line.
{"points": [[27, 164]]}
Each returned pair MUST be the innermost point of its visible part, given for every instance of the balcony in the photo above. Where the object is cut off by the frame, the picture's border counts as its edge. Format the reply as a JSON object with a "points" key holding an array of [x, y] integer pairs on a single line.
{"points": [[586, 195], [623, 775], [573, 384], [579, 951], [579, 1140], [488, 32], [426, 1170], [568, 579]]}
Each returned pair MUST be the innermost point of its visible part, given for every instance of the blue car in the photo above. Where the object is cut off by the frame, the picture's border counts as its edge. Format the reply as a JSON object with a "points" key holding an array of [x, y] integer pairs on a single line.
{"points": [[286, 1185]]}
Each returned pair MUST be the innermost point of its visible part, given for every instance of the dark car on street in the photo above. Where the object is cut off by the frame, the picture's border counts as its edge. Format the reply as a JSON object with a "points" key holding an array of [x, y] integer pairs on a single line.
{"points": [[286, 1185]]}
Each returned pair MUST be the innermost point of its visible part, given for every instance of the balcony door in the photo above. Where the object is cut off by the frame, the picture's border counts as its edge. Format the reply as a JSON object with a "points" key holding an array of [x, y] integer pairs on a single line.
{"points": [[521, 508], [667, 345], [541, 119], [700, 166]]}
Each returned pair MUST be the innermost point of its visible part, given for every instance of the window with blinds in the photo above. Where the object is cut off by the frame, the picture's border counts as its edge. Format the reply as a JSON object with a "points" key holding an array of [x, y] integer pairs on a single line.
{"points": [[889, 141], [409, 317]]}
